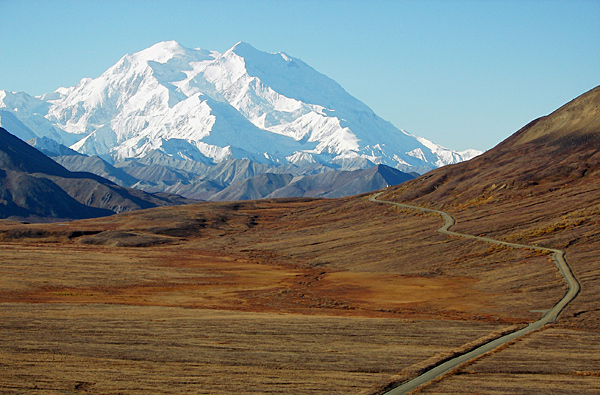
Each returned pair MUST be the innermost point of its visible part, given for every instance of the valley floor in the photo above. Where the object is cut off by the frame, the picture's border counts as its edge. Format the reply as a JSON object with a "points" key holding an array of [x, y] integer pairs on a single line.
{"points": [[80, 348], [289, 296]]}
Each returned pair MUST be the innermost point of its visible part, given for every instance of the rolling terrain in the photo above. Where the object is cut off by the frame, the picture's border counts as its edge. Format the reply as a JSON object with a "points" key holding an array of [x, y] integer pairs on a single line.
{"points": [[543, 190], [302, 295]]}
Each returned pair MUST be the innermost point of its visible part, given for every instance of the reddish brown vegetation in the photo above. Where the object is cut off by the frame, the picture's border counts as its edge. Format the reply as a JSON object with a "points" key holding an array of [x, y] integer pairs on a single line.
{"points": [[335, 263]]}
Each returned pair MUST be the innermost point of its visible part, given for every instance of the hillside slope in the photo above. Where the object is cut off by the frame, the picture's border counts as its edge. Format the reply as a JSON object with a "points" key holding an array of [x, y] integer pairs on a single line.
{"points": [[560, 150], [540, 186], [349, 262], [35, 187]]}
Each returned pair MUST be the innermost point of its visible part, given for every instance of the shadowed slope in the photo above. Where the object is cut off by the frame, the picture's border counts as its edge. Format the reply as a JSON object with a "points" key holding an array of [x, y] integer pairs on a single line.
{"points": [[17, 155], [34, 187], [96, 165]]}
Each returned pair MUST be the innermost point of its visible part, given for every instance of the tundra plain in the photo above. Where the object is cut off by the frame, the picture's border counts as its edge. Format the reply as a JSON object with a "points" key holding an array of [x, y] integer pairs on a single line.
{"points": [[303, 296], [322, 296]]}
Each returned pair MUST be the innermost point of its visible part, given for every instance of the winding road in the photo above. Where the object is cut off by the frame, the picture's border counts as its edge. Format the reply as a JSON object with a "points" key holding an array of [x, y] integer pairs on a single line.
{"points": [[558, 256]]}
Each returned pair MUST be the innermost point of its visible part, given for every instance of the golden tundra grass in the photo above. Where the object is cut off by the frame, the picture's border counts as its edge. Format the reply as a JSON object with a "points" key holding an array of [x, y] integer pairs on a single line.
{"points": [[289, 296]]}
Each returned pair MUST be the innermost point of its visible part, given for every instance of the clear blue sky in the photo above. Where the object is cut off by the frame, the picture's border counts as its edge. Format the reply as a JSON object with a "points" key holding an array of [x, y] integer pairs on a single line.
{"points": [[465, 74]]}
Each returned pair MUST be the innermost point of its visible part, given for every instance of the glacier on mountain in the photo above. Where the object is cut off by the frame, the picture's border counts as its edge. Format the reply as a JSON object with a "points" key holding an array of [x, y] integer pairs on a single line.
{"points": [[194, 104]]}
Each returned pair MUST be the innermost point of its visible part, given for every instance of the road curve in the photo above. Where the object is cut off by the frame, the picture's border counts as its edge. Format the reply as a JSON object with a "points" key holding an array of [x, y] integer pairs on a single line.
{"points": [[558, 256]]}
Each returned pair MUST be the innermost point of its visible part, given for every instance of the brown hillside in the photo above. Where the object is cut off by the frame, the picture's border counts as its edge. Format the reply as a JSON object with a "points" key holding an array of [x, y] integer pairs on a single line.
{"points": [[540, 186], [575, 123], [561, 150], [315, 295]]}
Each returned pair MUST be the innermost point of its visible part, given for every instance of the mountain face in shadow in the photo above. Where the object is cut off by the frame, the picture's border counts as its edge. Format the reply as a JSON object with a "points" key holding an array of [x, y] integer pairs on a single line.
{"points": [[34, 187]]}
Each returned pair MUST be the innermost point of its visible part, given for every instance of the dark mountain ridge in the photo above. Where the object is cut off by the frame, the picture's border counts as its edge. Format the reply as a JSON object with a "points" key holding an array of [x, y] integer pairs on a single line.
{"points": [[16, 155], [236, 179], [34, 187]]}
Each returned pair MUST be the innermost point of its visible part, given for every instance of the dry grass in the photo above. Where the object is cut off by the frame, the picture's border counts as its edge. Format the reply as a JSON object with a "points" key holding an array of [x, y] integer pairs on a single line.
{"points": [[309, 296], [180, 276], [113, 349], [542, 362], [547, 194], [79, 317]]}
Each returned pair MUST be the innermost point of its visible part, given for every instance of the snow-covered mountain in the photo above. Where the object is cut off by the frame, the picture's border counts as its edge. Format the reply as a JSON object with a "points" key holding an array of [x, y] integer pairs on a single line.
{"points": [[194, 104]]}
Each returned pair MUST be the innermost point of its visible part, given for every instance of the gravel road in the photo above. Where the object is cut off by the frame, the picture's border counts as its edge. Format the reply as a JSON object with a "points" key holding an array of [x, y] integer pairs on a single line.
{"points": [[558, 256]]}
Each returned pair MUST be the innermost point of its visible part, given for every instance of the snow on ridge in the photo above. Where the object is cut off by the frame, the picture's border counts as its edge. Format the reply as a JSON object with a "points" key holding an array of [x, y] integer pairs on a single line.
{"points": [[204, 105], [447, 156], [301, 157], [469, 154]]}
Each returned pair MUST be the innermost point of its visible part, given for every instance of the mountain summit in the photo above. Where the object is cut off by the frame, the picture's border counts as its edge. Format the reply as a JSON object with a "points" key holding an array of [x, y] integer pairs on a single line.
{"points": [[194, 104]]}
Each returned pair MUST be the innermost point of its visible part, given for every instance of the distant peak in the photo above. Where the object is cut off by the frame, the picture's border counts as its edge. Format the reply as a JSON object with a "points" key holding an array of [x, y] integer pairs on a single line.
{"points": [[167, 45], [160, 52], [248, 52], [164, 51], [242, 45], [243, 49]]}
